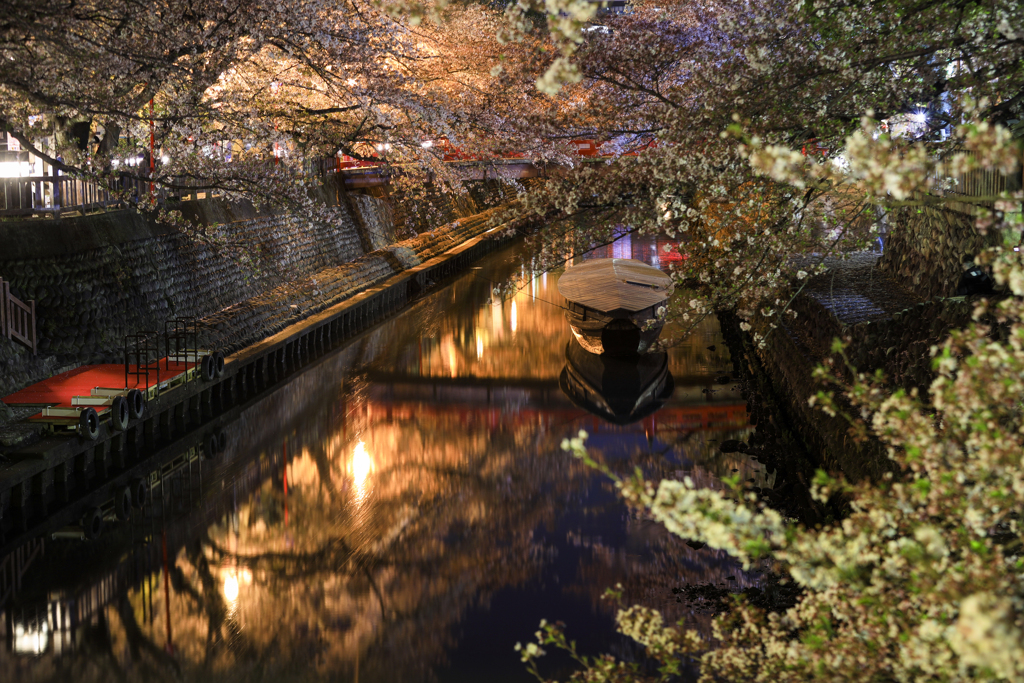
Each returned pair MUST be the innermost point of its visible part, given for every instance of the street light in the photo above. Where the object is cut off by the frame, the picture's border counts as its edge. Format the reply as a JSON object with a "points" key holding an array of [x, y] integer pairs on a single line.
{"points": [[14, 169]]}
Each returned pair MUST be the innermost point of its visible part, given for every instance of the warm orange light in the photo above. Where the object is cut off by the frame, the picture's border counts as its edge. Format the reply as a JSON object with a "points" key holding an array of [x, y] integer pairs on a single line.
{"points": [[231, 588], [362, 466]]}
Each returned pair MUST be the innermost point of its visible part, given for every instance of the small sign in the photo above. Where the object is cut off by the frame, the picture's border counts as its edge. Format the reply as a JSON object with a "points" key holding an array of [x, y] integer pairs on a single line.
{"points": [[13, 145]]}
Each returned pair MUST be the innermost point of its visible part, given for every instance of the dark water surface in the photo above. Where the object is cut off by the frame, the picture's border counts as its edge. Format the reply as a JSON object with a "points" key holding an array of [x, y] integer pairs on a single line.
{"points": [[426, 519]]}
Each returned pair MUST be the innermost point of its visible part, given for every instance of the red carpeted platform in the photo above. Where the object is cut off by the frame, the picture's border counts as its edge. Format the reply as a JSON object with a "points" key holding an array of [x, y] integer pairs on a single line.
{"points": [[59, 389]]}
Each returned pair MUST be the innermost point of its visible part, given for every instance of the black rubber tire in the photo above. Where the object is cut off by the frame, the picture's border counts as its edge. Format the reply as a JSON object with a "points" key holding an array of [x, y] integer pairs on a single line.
{"points": [[218, 360], [222, 442], [136, 403], [119, 413], [92, 523], [140, 493], [210, 444], [123, 503], [89, 424], [208, 368]]}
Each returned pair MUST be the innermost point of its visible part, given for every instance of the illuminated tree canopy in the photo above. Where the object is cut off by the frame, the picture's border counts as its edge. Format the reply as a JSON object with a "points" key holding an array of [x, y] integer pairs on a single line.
{"points": [[698, 104]]}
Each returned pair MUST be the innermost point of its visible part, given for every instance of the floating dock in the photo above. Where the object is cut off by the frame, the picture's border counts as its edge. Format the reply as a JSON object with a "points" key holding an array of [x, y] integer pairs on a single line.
{"points": [[64, 397]]}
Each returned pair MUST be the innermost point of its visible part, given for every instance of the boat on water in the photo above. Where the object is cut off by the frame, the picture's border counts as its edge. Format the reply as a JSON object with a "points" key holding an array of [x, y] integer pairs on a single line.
{"points": [[612, 303]]}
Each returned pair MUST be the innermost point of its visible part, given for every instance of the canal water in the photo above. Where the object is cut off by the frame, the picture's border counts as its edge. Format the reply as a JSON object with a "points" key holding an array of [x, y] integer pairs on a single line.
{"points": [[402, 510]]}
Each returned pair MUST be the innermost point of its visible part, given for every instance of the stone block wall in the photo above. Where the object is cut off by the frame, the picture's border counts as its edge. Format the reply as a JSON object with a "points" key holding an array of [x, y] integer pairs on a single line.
{"points": [[248, 275], [377, 219], [492, 193], [928, 245], [249, 321], [789, 363], [898, 345], [97, 278], [412, 213], [415, 213]]}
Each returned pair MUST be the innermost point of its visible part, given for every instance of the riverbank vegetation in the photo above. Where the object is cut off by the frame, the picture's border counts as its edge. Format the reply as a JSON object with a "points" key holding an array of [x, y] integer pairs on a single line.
{"points": [[923, 580]]}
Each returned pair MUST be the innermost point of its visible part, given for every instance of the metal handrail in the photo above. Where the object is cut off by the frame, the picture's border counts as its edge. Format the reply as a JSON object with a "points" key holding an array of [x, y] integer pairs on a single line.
{"points": [[17, 318], [143, 348]]}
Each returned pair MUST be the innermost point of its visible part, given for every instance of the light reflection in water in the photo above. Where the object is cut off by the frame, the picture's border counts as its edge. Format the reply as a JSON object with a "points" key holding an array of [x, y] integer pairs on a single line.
{"points": [[233, 580], [362, 466], [472, 499], [231, 588], [453, 365], [31, 639]]}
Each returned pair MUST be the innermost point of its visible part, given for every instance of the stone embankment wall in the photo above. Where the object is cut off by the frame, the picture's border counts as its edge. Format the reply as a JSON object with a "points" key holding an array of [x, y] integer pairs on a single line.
{"points": [[928, 245], [419, 210], [889, 315], [789, 361], [100, 277], [253, 319], [96, 278], [377, 219], [899, 345]]}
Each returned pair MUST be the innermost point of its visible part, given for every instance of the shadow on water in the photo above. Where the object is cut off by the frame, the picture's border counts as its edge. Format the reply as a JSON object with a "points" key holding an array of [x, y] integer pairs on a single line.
{"points": [[402, 510]]}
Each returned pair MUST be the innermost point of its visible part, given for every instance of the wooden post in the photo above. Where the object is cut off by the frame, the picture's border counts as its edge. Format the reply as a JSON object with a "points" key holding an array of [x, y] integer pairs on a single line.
{"points": [[3, 307]]}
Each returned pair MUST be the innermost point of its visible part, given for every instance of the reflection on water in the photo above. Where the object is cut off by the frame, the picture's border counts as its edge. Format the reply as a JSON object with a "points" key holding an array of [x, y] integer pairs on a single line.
{"points": [[362, 465], [402, 511], [619, 389]]}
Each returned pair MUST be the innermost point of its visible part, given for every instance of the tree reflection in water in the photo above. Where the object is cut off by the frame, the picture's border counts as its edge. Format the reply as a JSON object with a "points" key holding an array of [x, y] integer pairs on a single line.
{"points": [[425, 478]]}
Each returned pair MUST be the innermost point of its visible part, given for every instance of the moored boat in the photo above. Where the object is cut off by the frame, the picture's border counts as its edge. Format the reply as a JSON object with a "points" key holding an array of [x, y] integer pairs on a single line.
{"points": [[612, 304]]}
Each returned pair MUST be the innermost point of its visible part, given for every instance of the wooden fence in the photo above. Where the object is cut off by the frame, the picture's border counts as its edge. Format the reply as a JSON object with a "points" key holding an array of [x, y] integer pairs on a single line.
{"points": [[17, 319], [975, 183]]}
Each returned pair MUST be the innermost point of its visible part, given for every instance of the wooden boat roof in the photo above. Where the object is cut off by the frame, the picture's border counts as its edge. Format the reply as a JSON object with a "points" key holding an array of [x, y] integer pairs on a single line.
{"points": [[612, 284]]}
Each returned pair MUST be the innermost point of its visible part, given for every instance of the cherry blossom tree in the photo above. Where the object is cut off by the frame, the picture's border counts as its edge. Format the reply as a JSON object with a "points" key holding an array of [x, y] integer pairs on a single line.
{"points": [[921, 580], [236, 95], [733, 92]]}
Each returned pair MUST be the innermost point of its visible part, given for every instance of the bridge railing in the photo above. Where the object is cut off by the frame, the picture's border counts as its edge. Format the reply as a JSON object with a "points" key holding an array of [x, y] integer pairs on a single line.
{"points": [[50, 195]]}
